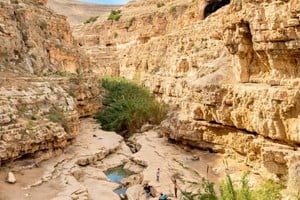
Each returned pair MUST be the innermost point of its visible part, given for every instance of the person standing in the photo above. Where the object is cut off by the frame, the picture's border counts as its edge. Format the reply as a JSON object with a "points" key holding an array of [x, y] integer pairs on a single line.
{"points": [[175, 188], [157, 174]]}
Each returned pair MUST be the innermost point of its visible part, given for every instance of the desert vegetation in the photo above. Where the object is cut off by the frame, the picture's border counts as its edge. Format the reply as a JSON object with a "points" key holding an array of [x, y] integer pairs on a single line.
{"points": [[128, 106], [91, 19], [114, 15], [230, 191], [160, 4]]}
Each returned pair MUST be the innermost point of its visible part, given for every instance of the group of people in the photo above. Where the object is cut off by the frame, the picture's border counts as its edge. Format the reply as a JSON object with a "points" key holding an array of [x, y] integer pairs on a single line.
{"points": [[151, 192]]}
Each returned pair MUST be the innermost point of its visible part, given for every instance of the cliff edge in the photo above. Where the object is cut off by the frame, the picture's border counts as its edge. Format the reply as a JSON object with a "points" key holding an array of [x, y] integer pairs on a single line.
{"points": [[230, 68], [45, 84]]}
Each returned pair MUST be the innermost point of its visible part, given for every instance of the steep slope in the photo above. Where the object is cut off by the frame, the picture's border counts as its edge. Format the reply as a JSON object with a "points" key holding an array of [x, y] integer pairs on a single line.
{"points": [[78, 12], [247, 102], [44, 84]]}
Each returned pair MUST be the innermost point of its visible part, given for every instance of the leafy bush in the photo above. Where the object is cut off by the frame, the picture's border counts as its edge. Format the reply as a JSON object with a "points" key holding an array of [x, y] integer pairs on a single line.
{"points": [[91, 19], [228, 191], [114, 15], [128, 106]]}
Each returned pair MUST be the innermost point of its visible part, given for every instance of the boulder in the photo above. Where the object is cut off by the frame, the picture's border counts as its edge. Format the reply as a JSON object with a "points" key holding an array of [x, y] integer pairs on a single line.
{"points": [[11, 178]]}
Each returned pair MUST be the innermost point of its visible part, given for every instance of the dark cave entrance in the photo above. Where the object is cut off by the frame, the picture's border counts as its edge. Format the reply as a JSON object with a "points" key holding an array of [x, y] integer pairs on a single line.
{"points": [[214, 6]]}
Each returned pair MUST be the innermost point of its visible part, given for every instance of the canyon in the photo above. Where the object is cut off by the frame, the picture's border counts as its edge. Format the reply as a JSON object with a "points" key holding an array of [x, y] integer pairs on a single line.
{"points": [[232, 75], [228, 69]]}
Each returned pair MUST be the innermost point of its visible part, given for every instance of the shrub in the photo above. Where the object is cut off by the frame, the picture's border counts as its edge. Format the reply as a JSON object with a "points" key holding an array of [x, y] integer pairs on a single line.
{"points": [[173, 10], [208, 192], [160, 4], [33, 117], [229, 191], [30, 125], [268, 190], [128, 106], [22, 109], [91, 19], [114, 15], [56, 116]]}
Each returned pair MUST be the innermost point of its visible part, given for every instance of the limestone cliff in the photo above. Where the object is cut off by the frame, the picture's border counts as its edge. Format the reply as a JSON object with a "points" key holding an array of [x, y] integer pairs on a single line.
{"points": [[231, 70], [44, 81]]}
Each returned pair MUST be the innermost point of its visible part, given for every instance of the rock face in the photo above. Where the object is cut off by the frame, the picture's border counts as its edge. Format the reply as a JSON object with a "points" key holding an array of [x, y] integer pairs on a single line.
{"points": [[36, 40], [35, 115], [232, 74], [294, 178], [44, 82]]}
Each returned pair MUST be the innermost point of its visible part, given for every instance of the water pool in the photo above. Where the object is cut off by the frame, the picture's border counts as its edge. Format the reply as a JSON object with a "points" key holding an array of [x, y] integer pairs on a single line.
{"points": [[116, 175]]}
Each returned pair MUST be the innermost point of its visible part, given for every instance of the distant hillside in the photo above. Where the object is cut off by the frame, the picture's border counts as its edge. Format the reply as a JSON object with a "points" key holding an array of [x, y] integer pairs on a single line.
{"points": [[78, 12]]}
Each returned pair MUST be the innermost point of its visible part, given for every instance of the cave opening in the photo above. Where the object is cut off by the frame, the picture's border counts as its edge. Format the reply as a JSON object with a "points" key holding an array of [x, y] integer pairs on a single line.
{"points": [[214, 6]]}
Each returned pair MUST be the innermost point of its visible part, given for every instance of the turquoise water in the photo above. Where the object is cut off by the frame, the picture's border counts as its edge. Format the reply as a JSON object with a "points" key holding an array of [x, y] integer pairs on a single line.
{"points": [[109, 2], [116, 175]]}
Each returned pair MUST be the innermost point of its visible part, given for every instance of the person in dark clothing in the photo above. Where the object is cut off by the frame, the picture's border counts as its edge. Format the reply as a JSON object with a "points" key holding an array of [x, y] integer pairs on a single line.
{"points": [[175, 187], [147, 188], [150, 191]]}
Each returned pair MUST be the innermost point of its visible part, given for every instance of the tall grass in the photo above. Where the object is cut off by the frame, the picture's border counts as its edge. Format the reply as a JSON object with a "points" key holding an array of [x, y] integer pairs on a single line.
{"points": [[128, 106], [228, 191]]}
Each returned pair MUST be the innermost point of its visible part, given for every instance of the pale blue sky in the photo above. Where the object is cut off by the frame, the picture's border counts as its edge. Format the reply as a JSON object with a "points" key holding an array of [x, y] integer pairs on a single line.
{"points": [[111, 2]]}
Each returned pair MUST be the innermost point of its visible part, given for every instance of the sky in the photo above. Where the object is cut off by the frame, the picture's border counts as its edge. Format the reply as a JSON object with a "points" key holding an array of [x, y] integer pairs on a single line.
{"points": [[111, 2]]}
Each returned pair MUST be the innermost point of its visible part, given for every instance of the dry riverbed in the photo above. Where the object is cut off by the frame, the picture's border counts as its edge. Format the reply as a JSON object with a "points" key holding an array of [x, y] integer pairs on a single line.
{"points": [[78, 173]]}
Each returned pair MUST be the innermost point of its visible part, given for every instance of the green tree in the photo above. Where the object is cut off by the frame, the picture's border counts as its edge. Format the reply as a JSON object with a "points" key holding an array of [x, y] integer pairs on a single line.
{"points": [[128, 106]]}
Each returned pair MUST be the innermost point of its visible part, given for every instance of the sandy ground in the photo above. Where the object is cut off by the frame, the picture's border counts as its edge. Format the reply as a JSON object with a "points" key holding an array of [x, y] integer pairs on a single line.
{"points": [[78, 12], [60, 178]]}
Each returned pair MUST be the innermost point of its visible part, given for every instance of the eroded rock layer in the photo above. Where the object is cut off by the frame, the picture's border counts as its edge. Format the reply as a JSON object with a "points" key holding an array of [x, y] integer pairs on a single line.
{"points": [[231, 70], [35, 115], [44, 81]]}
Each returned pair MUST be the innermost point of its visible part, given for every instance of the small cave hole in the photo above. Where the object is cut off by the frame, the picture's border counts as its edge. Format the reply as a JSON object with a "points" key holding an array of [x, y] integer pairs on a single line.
{"points": [[214, 6]]}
